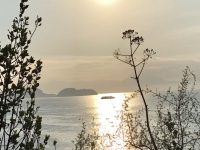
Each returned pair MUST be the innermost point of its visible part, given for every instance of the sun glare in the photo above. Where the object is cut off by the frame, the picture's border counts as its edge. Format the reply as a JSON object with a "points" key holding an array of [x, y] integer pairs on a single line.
{"points": [[106, 1]]}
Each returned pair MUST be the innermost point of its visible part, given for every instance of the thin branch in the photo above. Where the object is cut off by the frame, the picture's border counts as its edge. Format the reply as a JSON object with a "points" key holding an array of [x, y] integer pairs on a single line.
{"points": [[141, 69], [142, 61], [135, 50], [125, 62], [122, 55]]}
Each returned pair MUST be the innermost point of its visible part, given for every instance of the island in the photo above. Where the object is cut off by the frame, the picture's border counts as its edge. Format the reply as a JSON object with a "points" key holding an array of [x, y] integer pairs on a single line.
{"points": [[39, 93], [74, 92]]}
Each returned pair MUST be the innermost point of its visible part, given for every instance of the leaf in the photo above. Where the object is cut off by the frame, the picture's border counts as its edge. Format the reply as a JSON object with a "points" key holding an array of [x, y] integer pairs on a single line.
{"points": [[39, 19], [25, 7], [38, 78], [31, 60], [37, 84], [1, 58], [29, 41]]}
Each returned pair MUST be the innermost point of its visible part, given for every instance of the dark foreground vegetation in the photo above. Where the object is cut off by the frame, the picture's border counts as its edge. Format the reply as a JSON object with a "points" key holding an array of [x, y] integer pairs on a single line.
{"points": [[177, 123], [20, 127]]}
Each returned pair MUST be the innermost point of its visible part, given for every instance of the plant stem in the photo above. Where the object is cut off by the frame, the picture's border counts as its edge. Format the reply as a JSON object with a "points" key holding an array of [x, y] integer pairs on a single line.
{"points": [[143, 98]]}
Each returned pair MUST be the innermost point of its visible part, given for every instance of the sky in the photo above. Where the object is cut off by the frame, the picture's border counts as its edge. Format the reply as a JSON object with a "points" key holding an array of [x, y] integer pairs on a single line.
{"points": [[77, 38]]}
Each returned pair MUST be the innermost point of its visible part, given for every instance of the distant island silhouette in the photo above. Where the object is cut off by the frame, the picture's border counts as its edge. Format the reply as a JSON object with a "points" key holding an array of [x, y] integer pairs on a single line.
{"points": [[65, 93], [73, 92]]}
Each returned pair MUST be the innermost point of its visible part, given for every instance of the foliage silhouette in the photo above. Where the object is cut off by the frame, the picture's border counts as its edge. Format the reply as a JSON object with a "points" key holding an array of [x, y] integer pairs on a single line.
{"points": [[20, 127], [179, 121]]}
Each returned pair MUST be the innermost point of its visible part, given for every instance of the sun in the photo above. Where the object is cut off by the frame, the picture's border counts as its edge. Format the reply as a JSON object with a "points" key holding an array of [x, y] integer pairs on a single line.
{"points": [[106, 1]]}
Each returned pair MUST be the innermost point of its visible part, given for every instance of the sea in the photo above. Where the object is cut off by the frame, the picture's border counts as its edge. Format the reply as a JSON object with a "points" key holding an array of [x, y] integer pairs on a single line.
{"points": [[62, 117]]}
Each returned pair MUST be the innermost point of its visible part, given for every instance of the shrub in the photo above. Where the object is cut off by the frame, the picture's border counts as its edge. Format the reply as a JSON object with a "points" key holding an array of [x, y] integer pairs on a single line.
{"points": [[20, 127]]}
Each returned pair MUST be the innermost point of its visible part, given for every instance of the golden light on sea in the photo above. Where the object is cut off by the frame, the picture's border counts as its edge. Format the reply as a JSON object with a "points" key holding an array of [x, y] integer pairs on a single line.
{"points": [[108, 109]]}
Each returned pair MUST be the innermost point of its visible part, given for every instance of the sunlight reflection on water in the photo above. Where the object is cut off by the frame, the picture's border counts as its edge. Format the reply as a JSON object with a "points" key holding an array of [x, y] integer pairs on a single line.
{"points": [[108, 123]]}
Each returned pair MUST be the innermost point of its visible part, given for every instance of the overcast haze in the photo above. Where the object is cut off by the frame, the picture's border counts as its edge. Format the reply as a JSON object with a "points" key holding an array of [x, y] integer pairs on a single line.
{"points": [[77, 38]]}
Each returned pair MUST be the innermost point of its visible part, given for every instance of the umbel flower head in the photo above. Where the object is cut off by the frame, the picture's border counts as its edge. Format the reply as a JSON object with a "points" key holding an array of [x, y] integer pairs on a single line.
{"points": [[132, 35]]}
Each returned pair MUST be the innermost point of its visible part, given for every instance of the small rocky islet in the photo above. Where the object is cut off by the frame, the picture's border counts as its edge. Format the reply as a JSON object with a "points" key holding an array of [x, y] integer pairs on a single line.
{"points": [[67, 92]]}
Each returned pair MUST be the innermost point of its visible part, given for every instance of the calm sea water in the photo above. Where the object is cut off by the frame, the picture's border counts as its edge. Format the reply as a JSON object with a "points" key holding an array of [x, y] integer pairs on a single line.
{"points": [[63, 116]]}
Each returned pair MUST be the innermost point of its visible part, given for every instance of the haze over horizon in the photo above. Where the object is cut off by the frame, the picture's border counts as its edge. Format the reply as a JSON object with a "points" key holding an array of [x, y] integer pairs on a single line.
{"points": [[77, 39]]}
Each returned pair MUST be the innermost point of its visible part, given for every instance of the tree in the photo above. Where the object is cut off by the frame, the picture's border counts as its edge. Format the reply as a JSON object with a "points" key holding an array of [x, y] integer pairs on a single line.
{"points": [[20, 128]]}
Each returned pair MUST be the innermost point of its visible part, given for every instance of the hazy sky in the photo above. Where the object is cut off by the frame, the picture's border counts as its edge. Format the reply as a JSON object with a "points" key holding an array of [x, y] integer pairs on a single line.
{"points": [[77, 37]]}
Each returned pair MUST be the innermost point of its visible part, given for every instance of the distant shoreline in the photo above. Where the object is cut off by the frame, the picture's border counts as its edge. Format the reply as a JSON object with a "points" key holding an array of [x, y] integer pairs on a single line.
{"points": [[67, 92]]}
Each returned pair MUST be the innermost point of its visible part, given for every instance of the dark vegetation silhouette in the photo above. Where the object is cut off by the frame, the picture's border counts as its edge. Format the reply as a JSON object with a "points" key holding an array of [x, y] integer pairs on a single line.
{"points": [[20, 127], [175, 126]]}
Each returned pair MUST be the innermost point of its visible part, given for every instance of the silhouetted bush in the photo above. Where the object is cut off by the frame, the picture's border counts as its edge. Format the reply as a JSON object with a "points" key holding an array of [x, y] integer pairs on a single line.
{"points": [[20, 127]]}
